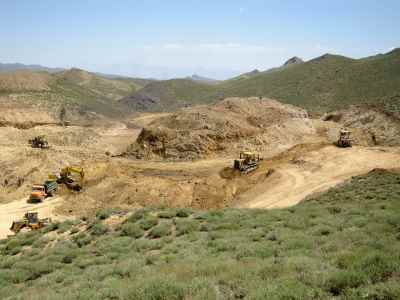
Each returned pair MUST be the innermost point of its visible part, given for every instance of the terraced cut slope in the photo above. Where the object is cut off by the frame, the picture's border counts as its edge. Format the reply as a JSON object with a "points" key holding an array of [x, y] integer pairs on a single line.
{"points": [[342, 244]]}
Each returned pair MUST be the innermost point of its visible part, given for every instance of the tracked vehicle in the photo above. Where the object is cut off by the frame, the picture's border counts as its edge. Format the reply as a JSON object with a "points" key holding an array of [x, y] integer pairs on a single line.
{"points": [[39, 142], [344, 139], [247, 162]]}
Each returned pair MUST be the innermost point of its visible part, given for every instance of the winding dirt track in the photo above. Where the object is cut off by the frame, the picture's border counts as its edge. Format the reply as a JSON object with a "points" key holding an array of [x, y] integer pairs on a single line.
{"points": [[316, 171]]}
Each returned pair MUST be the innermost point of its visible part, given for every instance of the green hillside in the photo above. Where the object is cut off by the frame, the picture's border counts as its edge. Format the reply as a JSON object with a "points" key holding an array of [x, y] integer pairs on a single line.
{"points": [[171, 94], [322, 84], [328, 82], [343, 244], [74, 88]]}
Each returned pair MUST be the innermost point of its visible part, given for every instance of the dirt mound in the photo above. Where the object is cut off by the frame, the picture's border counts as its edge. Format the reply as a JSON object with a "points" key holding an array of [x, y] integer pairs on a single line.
{"points": [[383, 129], [231, 124], [25, 81]]}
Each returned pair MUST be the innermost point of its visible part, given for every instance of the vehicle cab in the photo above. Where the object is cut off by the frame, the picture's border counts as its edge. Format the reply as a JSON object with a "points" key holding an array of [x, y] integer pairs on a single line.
{"points": [[38, 193]]}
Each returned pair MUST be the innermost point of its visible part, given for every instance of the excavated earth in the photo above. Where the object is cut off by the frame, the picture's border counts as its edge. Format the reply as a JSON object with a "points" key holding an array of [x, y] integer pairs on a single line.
{"points": [[184, 159]]}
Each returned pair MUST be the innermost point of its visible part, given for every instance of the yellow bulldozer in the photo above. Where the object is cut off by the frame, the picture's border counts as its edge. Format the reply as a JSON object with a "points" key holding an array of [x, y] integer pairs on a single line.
{"points": [[344, 139], [247, 162], [30, 221], [71, 176]]}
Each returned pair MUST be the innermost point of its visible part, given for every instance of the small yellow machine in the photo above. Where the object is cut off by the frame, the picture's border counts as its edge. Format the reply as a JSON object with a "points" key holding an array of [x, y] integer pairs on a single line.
{"points": [[344, 139], [39, 142], [247, 162], [71, 176], [30, 221]]}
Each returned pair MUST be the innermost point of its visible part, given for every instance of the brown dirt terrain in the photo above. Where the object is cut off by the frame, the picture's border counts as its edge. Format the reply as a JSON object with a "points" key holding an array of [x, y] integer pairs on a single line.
{"points": [[25, 80], [298, 149]]}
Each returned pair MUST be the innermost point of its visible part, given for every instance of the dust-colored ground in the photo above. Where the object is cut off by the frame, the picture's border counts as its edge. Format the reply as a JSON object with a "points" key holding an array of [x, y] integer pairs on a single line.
{"points": [[309, 170], [300, 160], [16, 210]]}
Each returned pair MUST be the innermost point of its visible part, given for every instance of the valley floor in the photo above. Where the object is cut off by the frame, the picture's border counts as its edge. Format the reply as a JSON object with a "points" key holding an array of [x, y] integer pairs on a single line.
{"points": [[284, 178]]}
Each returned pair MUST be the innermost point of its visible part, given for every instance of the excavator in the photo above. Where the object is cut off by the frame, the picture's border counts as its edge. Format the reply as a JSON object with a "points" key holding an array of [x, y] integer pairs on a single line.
{"points": [[247, 162], [39, 142], [71, 176], [30, 221]]}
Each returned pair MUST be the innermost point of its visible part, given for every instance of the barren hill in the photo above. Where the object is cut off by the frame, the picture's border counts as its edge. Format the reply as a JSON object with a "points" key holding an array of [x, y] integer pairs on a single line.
{"points": [[204, 130], [25, 80]]}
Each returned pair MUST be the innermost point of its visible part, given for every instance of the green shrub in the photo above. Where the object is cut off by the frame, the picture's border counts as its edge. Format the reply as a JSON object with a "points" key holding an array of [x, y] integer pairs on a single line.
{"points": [[167, 214], [103, 214], [183, 212], [98, 229], [186, 226], [158, 289], [132, 230], [160, 231], [138, 215], [148, 222], [339, 281], [378, 267], [74, 230], [41, 242], [82, 239]]}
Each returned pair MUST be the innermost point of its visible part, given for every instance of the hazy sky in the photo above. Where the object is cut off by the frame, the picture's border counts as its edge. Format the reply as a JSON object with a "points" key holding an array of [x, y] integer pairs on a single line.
{"points": [[165, 39]]}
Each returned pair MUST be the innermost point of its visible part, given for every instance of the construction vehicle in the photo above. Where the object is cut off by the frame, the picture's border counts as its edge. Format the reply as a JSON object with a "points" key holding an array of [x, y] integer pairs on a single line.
{"points": [[41, 191], [39, 142], [72, 177], [344, 139], [30, 221], [247, 162]]}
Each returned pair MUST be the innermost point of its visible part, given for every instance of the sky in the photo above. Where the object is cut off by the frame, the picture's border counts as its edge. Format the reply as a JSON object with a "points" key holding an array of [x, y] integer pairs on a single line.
{"points": [[166, 39]]}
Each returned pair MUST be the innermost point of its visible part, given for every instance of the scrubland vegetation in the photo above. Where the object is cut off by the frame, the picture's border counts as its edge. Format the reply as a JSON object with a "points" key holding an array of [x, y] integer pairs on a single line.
{"points": [[343, 244]]}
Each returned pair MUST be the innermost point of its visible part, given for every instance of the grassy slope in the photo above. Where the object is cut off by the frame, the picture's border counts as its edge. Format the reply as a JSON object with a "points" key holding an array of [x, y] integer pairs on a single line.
{"points": [[171, 94], [343, 244], [77, 88], [326, 83]]}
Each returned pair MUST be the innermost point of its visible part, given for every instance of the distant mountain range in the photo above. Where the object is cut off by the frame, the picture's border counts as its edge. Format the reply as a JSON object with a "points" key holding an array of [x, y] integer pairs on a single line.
{"points": [[202, 79], [324, 83], [18, 66]]}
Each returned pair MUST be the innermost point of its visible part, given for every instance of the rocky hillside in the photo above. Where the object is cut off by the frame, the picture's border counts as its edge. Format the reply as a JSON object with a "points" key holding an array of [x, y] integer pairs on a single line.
{"points": [[206, 130]]}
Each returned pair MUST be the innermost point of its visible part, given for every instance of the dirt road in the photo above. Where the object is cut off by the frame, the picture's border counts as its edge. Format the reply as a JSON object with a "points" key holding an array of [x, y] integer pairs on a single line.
{"points": [[316, 171], [16, 210]]}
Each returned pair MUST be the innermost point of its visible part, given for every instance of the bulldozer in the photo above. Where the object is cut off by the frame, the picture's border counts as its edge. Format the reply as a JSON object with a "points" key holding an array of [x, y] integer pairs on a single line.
{"points": [[247, 162], [71, 176], [39, 142], [30, 221], [344, 139]]}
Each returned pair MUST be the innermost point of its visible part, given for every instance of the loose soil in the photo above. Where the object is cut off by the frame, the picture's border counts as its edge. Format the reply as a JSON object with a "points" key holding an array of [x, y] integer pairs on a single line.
{"points": [[299, 161]]}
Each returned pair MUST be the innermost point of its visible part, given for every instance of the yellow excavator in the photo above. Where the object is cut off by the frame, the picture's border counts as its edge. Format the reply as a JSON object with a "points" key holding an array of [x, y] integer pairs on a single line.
{"points": [[30, 221], [247, 162], [71, 176]]}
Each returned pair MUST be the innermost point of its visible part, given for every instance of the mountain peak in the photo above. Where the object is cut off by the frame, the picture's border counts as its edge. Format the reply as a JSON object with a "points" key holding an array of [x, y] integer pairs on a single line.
{"points": [[294, 60]]}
